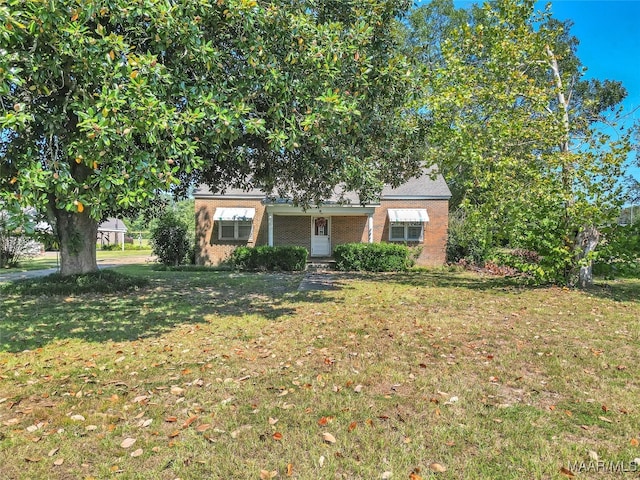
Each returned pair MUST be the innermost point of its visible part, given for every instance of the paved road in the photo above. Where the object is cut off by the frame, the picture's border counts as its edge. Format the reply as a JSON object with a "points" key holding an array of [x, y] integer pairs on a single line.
{"points": [[105, 263]]}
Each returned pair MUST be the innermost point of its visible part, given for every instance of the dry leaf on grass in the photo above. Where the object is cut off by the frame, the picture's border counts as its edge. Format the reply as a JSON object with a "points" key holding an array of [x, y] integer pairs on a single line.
{"points": [[58, 462], [436, 467], [137, 453], [566, 472], [327, 437], [267, 475], [127, 442]]}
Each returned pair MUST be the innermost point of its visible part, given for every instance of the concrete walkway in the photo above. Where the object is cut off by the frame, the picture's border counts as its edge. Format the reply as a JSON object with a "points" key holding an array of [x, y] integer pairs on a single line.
{"points": [[318, 277]]}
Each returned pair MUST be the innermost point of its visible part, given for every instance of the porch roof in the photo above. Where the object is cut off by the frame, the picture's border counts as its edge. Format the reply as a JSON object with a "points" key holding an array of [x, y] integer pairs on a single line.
{"points": [[341, 210]]}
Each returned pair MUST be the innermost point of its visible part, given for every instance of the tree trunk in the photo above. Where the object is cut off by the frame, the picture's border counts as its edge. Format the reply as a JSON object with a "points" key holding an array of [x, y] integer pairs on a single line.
{"points": [[587, 241], [77, 234]]}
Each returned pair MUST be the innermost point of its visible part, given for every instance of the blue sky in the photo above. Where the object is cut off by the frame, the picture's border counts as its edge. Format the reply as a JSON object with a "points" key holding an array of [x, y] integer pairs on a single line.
{"points": [[609, 34]]}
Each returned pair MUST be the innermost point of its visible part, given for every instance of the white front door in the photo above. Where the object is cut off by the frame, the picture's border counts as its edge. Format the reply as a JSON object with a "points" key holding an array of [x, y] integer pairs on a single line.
{"points": [[320, 236]]}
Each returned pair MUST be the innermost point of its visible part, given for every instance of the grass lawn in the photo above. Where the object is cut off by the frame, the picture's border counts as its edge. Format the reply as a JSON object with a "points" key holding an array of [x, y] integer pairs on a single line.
{"points": [[50, 259], [219, 375]]}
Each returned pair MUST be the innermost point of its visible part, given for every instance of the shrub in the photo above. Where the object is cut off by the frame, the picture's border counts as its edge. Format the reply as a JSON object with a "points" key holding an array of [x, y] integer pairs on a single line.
{"points": [[285, 258], [469, 239], [16, 242], [169, 240], [372, 257]]}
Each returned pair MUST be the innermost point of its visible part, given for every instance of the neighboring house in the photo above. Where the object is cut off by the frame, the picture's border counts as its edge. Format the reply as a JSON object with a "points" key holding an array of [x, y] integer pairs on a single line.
{"points": [[415, 213], [112, 232]]}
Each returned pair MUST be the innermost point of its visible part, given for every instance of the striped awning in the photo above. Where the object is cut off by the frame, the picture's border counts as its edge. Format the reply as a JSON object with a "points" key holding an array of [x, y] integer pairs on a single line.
{"points": [[234, 214], [412, 215]]}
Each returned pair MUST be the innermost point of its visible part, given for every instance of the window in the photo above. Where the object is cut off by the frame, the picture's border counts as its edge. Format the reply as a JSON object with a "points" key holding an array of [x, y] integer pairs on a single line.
{"points": [[234, 223], [406, 231], [235, 229]]}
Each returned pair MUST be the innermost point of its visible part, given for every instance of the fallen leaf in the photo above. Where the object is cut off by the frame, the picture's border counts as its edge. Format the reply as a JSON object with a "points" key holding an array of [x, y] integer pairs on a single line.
{"points": [[352, 426], [77, 418], [277, 436], [414, 476], [239, 430], [177, 390], [605, 419], [289, 469], [386, 475], [32, 459], [566, 472], [137, 453], [327, 437], [171, 419], [436, 467], [174, 434], [58, 462], [189, 421], [203, 427], [273, 421], [321, 461], [358, 388], [324, 420], [267, 475], [593, 456], [127, 442], [91, 428], [52, 452], [634, 442]]}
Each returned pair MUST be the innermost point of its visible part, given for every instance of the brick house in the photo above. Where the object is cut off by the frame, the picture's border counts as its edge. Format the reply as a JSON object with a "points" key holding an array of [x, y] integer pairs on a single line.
{"points": [[415, 213]]}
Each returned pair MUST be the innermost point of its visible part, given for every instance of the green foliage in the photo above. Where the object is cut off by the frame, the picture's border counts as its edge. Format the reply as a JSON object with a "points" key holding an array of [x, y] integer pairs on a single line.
{"points": [[619, 255], [522, 138], [169, 240], [469, 238], [106, 104], [372, 257], [265, 258], [103, 281]]}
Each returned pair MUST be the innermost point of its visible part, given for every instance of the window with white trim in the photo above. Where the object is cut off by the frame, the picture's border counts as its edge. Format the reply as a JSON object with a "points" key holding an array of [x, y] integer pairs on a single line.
{"points": [[406, 231], [235, 229]]}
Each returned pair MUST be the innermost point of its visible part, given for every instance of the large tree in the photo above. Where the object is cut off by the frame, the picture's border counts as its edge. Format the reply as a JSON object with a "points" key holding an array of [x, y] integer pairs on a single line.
{"points": [[106, 103], [521, 134]]}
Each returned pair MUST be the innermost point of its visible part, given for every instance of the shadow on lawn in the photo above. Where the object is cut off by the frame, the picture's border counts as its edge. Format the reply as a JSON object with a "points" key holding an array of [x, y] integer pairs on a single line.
{"points": [[27, 323], [441, 279], [627, 290]]}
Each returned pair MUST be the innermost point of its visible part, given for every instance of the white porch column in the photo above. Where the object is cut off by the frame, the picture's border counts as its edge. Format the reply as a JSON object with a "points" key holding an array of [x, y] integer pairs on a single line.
{"points": [[270, 225], [370, 227]]}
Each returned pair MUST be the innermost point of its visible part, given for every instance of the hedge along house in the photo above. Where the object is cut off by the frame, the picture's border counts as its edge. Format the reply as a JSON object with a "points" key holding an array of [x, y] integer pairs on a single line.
{"points": [[415, 213]]}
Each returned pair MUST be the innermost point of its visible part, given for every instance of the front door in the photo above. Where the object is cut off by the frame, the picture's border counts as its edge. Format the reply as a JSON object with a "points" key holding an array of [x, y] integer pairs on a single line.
{"points": [[320, 236]]}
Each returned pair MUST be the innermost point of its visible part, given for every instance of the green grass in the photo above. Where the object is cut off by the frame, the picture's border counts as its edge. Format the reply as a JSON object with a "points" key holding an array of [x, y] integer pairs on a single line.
{"points": [[224, 375], [50, 260]]}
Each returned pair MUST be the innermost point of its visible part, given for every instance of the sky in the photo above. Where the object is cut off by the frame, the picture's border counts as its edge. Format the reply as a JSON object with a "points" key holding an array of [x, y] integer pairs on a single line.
{"points": [[609, 34]]}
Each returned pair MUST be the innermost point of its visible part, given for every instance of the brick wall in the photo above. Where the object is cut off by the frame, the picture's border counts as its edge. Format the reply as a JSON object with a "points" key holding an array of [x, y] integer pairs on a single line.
{"points": [[348, 229], [433, 247], [292, 230], [209, 249]]}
